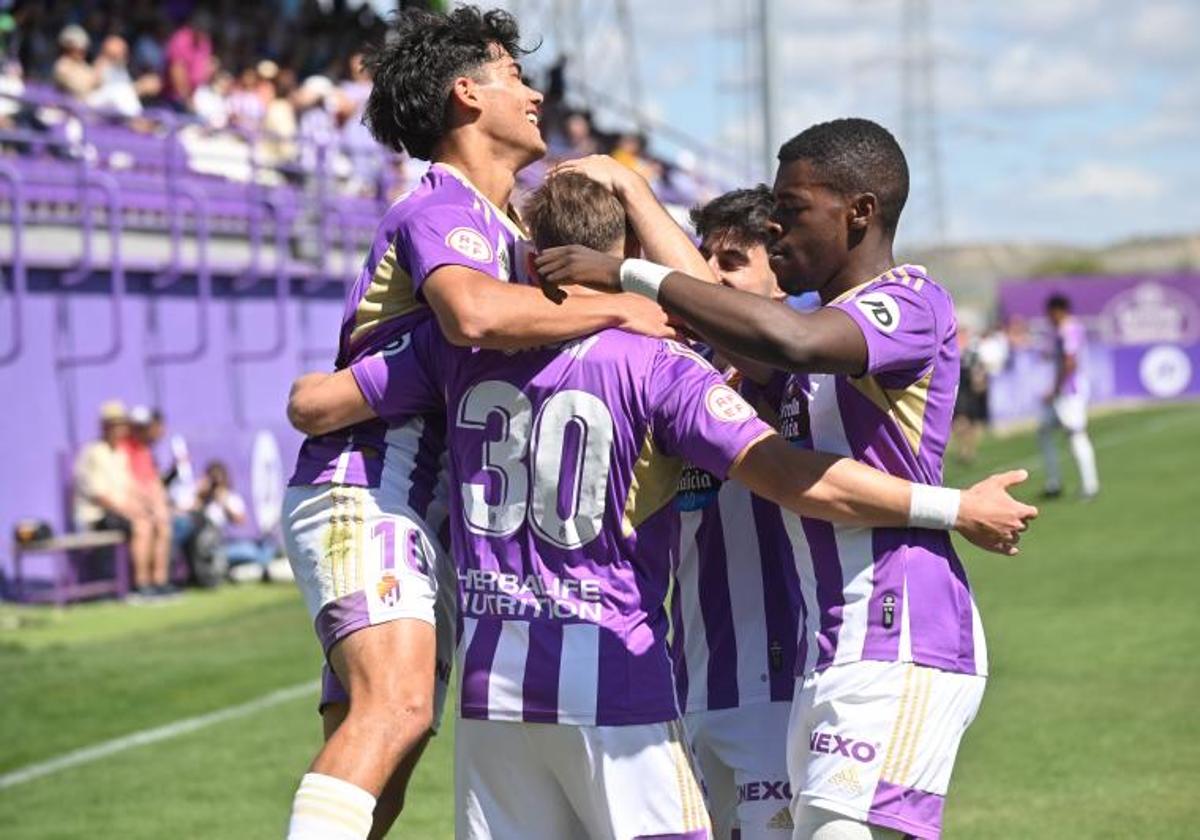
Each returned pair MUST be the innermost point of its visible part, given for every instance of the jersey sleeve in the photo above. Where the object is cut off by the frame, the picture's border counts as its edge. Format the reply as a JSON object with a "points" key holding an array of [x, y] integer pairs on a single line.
{"points": [[403, 378], [899, 325], [695, 414], [442, 235]]}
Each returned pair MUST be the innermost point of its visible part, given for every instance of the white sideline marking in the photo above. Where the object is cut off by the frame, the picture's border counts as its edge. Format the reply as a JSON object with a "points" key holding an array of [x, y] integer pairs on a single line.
{"points": [[152, 736]]}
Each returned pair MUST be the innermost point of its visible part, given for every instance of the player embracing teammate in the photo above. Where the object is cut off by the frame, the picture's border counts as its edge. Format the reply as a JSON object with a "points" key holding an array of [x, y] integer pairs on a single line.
{"points": [[891, 661], [563, 465]]}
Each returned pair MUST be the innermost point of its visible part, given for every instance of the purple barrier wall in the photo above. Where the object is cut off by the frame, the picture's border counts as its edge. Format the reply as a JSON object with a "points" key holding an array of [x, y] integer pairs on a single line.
{"points": [[224, 408], [1143, 339]]}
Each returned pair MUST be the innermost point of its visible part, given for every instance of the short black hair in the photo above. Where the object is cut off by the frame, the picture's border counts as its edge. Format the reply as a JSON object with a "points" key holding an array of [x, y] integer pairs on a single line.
{"points": [[741, 215], [1058, 301], [856, 156], [416, 65]]}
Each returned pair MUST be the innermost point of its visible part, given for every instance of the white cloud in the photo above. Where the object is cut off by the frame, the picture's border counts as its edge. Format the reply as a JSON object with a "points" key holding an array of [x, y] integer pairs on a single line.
{"points": [[1031, 75], [1166, 30], [1096, 180]]}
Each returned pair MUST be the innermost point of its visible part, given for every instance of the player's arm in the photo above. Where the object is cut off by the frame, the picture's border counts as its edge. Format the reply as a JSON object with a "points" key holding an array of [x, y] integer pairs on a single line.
{"points": [[825, 341], [319, 403], [662, 239], [843, 490], [476, 310]]}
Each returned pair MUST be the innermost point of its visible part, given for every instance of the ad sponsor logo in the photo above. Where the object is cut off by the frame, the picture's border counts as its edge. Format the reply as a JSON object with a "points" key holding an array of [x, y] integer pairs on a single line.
{"points": [[830, 743], [1151, 313], [764, 791], [881, 310], [487, 592]]}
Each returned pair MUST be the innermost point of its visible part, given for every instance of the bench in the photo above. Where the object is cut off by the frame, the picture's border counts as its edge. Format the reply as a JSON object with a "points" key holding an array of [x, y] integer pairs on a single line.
{"points": [[69, 551]]}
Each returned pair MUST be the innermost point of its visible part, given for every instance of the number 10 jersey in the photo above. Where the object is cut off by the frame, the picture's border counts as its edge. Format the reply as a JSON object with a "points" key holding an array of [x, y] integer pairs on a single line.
{"points": [[564, 461]]}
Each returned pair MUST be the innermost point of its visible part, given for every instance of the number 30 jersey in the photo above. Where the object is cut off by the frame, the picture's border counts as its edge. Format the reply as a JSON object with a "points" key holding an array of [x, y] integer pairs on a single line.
{"points": [[564, 464]]}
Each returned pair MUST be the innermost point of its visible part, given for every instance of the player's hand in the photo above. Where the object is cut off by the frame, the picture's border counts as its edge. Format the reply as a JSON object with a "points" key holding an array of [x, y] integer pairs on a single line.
{"points": [[577, 264], [604, 170], [991, 518], [645, 317]]}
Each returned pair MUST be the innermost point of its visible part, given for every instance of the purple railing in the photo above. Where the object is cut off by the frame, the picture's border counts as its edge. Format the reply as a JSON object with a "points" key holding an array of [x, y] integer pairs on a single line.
{"points": [[16, 195]]}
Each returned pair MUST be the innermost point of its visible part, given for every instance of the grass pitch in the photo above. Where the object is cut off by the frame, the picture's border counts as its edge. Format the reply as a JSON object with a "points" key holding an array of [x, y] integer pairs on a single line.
{"points": [[1087, 729]]}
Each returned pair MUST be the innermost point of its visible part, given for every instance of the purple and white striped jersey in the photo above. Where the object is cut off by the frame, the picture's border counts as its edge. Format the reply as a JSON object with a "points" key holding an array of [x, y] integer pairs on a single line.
{"points": [[1070, 339], [735, 608], [890, 594], [564, 463], [444, 220]]}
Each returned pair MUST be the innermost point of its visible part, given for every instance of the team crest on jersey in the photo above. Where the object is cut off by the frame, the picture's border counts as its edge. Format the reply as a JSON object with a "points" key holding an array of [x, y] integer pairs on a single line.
{"points": [[881, 310], [727, 405], [388, 589], [470, 243], [399, 345]]}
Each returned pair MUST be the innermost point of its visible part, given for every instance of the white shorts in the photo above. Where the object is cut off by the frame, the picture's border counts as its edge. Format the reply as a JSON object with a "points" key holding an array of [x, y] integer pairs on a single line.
{"points": [[362, 559], [742, 755], [876, 742], [546, 781], [1066, 410]]}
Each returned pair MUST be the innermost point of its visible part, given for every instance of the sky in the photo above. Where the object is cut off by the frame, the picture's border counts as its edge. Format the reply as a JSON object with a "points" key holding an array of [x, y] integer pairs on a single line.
{"points": [[1065, 121]]}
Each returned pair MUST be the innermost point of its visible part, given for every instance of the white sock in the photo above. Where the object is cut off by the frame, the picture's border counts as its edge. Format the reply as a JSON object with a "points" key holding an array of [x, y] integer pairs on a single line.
{"points": [[1050, 457], [327, 808], [1085, 459]]}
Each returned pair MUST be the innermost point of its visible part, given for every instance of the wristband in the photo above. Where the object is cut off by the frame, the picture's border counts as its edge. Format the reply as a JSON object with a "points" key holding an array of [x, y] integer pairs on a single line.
{"points": [[642, 277], [932, 507]]}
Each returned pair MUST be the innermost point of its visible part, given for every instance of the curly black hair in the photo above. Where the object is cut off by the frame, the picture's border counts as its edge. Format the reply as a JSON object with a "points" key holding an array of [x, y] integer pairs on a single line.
{"points": [[856, 156], [741, 215], [414, 69]]}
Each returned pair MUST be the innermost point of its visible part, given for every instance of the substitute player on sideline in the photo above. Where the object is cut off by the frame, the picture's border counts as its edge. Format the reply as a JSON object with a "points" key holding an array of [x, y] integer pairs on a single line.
{"points": [[366, 504], [1065, 406], [564, 538], [892, 664], [736, 604]]}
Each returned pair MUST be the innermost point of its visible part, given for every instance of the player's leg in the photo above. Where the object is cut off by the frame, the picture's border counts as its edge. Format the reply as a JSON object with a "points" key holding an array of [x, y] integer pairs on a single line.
{"points": [[390, 801], [627, 782], [1071, 410], [753, 741], [368, 580], [503, 787], [879, 744], [826, 825], [1047, 429], [719, 783]]}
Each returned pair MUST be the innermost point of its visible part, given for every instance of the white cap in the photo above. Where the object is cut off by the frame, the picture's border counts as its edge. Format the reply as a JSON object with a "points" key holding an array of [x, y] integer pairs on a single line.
{"points": [[140, 415], [74, 35]]}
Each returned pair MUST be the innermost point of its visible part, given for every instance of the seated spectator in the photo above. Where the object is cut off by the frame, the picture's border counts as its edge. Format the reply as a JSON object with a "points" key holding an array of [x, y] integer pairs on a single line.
{"points": [[148, 491], [117, 90], [12, 84], [105, 498], [630, 150], [246, 107], [210, 102], [73, 74], [279, 122]]}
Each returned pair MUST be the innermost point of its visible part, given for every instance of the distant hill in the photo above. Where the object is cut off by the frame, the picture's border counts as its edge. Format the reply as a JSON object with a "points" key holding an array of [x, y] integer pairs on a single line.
{"points": [[971, 272]]}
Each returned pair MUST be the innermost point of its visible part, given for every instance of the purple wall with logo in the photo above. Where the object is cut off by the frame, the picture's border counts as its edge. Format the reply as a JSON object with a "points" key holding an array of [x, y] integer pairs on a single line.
{"points": [[227, 402], [1143, 339]]}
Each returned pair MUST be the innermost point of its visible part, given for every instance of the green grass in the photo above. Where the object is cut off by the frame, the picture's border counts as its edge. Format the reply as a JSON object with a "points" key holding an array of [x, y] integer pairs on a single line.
{"points": [[1087, 730]]}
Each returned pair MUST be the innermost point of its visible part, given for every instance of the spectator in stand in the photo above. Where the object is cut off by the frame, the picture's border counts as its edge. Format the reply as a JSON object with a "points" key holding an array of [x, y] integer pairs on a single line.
{"points": [[246, 107], [210, 102], [117, 89], [630, 150], [72, 72], [279, 122], [104, 497], [189, 60], [12, 84], [149, 493], [578, 139], [365, 155], [316, 123]]}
